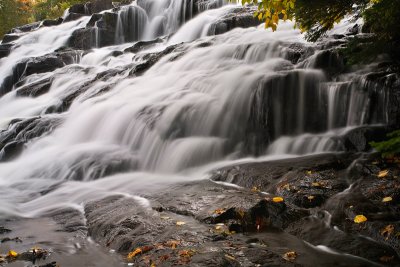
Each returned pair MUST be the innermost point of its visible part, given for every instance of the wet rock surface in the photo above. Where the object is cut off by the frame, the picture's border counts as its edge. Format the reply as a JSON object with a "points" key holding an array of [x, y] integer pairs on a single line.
{"points": [[265, 222]]}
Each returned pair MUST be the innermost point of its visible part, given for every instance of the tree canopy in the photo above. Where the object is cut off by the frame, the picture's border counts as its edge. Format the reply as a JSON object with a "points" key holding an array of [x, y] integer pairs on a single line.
{"points": [[315, 18]]}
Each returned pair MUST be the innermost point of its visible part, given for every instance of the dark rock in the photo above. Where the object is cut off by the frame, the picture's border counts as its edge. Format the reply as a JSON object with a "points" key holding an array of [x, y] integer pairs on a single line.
{"points": [[19, 132], [78, 9], [36, 65], [264, 215], [5, 50], [36, 88], [52, 22], [97, 6], [26, 28], [8, 38], [11, 150], [4, 230], [237, 18], [389, 83], [328, 60], [93, 19], [358, 139], [83, 38], [72, 16], [143, 45]]}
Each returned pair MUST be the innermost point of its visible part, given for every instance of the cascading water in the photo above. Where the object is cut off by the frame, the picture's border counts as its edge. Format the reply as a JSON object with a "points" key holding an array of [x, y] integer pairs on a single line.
{"points": [[211, 99]]}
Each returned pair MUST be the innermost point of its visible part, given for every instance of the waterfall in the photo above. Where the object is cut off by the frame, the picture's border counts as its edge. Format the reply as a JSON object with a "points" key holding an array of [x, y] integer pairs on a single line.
{"points": [[170, 104]]}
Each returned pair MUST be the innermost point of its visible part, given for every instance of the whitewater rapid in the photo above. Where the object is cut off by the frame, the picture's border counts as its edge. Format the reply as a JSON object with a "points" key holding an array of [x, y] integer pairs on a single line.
{"points": [[184, 116]]}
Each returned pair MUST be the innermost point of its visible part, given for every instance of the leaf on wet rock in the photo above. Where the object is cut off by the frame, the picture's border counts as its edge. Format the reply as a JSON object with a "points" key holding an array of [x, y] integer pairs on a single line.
{"points": [[286, 187], [383, 173], [360, 219], [387, 231], [12, 254], [134, 253], [173, 243], [219, 211], [290, 256], [186, 253], [316, 184], [386, 259], [277, 199], [180, 223], [255, 189], [230, 257], [387, 199]]}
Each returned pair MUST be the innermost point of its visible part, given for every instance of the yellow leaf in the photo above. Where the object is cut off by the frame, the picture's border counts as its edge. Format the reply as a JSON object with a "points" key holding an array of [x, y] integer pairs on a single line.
{"points": [[309, 172], [173, 243], [219, 211], [179, 223], [383, 173], [310, 197], [255, 189], [12, 254], [134, 253], [290, 256], [277, 199], [153, 265], [387, 199], [316, 184], [229, 257], [387, 230], [360, 219]]}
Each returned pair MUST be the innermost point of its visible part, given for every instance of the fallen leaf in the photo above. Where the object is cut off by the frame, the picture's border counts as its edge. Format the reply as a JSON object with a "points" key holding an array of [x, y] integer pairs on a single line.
{"points": [[229, 257], [386, 258], [186, 253], [164, 257], [12, 254], [134, 253], [164, 218], [255, 189], [387, 199], [387, 230], [383, 173], [316, 184], [277, 199], [219, 211], [241, 213], [179, 223], [308, 172], [153, 265], [360, 219], [286, 187], [290, 256], [173, 243], [310, 197]]}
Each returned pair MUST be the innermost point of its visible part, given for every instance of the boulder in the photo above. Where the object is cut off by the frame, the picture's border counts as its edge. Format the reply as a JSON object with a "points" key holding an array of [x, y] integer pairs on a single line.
{"points": [[8, 38], [242, 17], [5, 49]]}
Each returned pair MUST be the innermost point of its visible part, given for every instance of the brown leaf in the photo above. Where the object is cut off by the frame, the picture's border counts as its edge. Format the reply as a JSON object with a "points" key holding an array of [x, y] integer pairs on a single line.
{"points": [[290, 256], [134, 253], [386, 258], [383, 173], [387, 231]]}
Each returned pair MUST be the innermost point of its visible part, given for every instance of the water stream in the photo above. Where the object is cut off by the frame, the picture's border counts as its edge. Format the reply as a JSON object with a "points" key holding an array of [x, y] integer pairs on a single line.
{"points": [[215, 98]]}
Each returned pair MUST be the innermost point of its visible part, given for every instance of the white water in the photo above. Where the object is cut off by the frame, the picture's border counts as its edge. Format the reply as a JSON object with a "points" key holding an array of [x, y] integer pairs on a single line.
{"points": [[183, 113]]}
